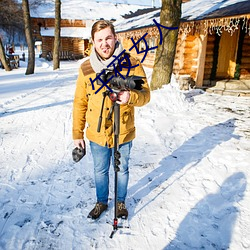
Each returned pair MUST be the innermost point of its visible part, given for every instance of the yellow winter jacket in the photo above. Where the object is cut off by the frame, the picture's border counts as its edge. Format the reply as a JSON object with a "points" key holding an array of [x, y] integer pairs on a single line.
{"points": [[87, 107]]}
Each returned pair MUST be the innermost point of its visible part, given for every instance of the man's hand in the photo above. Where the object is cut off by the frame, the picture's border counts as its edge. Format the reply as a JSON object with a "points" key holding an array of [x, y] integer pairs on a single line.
{"points": [[79, 143], [79, 151], [123, 97]]}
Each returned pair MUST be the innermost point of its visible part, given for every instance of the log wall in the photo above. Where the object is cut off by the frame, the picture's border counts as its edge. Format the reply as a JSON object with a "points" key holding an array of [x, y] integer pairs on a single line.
{"points": [[125, 39], [209, 57], [50, 22], [73, 45], [178, 61], [186, 56], [245, 60]]}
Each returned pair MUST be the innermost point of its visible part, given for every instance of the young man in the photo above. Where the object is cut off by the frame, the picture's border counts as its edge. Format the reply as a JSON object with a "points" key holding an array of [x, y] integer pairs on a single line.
{"points": [[87, 106]]}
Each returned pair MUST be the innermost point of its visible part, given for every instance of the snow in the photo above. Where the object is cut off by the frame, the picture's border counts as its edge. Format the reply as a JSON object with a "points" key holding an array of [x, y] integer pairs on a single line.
{"points": [[189, 169], [86, 10], [192, 10], [84, 33], [137, 21], [197, 9], [155, 3]]}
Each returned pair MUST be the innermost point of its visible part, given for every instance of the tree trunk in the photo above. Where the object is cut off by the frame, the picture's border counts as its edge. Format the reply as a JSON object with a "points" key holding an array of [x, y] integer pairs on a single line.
{"points": [[56, 59], [3, 57], [28, 33], [165, 53]]}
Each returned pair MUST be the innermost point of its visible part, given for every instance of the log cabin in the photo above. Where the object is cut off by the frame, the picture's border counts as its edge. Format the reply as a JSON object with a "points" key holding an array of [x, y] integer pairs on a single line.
{"points": [[77, 18], [74, 37], [213, 45]]}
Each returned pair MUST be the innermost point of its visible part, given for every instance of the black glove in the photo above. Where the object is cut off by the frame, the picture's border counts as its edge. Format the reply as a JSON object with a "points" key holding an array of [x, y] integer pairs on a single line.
{"points": [[78, 153]]}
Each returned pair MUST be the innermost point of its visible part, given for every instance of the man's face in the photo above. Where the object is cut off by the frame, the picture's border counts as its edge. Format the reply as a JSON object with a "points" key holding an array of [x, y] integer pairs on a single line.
{"points": [[104, 42]]}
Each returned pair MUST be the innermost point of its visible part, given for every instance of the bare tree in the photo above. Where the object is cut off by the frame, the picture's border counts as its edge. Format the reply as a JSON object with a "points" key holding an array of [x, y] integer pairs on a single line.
{"points": [[3, 57], [165, 53], [11, 16], [28, 33], [11, 24], [56, 59]]}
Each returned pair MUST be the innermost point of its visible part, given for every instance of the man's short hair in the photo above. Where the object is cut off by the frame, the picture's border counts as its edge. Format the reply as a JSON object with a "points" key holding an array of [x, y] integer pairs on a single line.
{"points": [[100, 25]]}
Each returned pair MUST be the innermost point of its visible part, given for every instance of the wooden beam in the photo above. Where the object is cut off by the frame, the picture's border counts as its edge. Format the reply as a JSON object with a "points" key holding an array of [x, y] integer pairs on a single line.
{"points": [[201, 60]]}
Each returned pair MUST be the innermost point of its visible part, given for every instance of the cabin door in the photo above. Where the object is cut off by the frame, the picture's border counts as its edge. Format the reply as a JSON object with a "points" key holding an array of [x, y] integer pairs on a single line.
{"points": [[227, 55]]}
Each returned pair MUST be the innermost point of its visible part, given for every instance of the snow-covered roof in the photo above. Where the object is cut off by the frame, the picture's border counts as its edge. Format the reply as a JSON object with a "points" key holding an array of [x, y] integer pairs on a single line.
{"points": [[192, 10], [79, 32], [85, 10], [136, 22], [197, 9]]}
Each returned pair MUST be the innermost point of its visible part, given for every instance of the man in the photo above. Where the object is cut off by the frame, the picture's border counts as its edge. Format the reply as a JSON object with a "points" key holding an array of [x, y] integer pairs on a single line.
{"points": [[86, 109]]}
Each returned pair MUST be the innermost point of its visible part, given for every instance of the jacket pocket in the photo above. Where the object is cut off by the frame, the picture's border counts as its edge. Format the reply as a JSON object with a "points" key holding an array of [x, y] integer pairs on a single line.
{"points": [[127, 120]]}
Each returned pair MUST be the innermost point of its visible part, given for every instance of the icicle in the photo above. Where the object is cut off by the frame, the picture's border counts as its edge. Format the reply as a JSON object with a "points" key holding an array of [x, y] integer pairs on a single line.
{"points": [[217, 25]]}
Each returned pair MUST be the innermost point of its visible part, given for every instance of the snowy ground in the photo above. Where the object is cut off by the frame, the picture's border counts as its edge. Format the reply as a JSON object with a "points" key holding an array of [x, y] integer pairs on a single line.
{"points": [[189, 170]]}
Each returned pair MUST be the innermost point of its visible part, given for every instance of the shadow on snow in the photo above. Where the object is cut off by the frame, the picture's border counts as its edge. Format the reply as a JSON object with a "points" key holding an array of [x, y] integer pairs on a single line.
{"points": [[189, 155], [23, 110], [209, 225]]}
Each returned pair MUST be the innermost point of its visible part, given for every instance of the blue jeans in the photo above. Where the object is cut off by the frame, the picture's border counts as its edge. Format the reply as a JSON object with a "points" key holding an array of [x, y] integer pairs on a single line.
{"points": [[102, 158]]}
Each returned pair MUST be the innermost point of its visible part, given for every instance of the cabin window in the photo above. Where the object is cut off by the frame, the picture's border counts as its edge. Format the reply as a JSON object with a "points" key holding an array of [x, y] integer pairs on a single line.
{"points": [[150, 42]]}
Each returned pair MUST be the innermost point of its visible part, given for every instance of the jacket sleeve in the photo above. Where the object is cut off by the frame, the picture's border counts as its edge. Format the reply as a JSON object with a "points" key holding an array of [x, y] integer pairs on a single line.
{"points": [[141, 97], [80, 105]]}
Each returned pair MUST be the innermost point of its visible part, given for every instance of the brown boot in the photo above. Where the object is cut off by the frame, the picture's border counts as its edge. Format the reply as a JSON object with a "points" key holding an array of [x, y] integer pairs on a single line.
{"points": [[122, 211], [97, 210]]}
